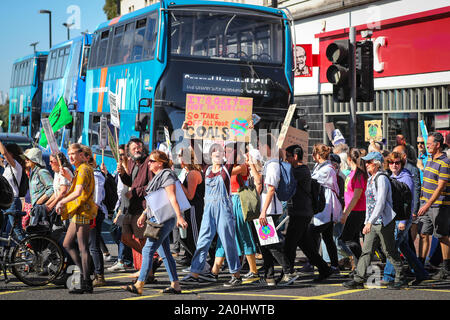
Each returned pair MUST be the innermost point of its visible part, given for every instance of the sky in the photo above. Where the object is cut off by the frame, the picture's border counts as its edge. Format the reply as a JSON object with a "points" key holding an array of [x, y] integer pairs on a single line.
{"points": [[21, 24]]}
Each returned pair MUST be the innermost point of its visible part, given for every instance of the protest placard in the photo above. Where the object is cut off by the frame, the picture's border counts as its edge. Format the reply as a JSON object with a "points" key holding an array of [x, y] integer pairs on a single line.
{"points": [[373, 130], [50, 135], [218, 117], [329, 128], [296, 136], [266, 234], [286, 124], [114, 109]]}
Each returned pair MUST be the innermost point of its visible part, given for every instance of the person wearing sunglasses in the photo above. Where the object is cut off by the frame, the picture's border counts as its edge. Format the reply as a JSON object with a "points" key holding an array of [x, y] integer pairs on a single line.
{"points": [[396, 162], [379, 224]]}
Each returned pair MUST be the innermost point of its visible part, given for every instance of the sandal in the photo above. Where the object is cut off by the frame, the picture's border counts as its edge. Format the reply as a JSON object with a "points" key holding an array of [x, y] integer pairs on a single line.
{"points": [[150, 280], [171, 290], [133, 289]]}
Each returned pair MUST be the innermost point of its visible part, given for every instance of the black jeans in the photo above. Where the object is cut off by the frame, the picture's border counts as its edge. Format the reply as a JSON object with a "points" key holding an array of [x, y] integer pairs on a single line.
{"points": [[297, 235], [95, 235], [274, 251], [326, 230], [352, 231]]}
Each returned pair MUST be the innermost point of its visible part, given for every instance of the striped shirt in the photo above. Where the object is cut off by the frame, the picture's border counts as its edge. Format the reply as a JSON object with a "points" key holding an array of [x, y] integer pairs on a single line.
{"points": [[435, 170]]}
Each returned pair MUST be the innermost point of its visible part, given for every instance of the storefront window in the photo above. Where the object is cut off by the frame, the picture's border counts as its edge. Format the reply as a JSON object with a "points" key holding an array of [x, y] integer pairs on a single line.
{"points": [[405, 124]]}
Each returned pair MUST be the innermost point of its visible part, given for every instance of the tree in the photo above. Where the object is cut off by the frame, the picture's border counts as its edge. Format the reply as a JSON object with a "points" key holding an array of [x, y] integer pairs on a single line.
{"points": [[110, 8], [4, 116]]}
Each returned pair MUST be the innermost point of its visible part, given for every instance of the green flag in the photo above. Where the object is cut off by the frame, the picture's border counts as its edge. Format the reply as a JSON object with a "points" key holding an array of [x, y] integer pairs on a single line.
{"points": [[59, 117]]}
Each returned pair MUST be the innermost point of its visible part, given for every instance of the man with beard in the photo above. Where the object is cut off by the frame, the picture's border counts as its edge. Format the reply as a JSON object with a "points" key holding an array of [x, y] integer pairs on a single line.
{"points": [[136, 175]]}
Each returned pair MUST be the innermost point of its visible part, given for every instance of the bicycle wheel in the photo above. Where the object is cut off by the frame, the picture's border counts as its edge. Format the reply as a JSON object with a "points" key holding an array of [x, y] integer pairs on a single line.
{"points": [[37, 260]]}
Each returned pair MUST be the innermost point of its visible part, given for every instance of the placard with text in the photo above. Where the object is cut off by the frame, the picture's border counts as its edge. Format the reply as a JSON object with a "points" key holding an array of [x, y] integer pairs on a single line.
{"points": [[218, 118]]}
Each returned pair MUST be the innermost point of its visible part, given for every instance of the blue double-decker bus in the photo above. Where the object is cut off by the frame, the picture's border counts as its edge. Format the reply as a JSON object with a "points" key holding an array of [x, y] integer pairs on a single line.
{"points": [[152, 58], [25, 94], [65, 77]]}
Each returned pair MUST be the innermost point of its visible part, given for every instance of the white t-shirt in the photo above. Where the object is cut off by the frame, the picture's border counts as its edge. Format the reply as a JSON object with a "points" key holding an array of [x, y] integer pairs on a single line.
{"points": [[17, 173], [272, 177], [59, 180]]}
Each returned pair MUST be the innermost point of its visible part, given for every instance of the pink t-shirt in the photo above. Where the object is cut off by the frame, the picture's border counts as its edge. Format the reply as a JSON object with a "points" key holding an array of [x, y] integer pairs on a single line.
{"points": [[350, 186]]}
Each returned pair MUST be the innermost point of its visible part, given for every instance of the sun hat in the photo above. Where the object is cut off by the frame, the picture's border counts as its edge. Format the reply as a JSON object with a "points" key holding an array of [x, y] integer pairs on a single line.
{"points": [[34, 155]]}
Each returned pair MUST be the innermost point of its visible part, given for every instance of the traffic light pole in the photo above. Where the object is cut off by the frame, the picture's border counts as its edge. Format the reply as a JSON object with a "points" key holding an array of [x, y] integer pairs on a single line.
{"points": [[352, 38]]}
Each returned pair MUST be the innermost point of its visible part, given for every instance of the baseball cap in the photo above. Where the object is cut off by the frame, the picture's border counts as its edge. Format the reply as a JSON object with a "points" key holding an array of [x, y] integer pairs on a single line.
{"points": [[374, 155]]}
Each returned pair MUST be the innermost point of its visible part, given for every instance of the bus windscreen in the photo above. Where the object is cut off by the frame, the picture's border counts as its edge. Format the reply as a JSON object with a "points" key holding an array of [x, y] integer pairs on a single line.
{"points": [[233, 36]]}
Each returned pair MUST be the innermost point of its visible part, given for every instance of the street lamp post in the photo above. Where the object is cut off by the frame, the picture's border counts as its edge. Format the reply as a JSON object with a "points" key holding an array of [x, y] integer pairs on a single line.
{"points": [[34, 44], [49, 24], [68, 26]]}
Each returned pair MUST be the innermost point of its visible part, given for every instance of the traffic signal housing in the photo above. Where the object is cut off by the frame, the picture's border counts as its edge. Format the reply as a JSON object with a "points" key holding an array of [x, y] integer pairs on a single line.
{"points": [[338, 74], [364, 71]]}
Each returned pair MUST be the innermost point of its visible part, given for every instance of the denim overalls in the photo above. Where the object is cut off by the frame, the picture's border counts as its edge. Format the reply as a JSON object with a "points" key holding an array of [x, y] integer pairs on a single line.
{"points": [[217, 217]]}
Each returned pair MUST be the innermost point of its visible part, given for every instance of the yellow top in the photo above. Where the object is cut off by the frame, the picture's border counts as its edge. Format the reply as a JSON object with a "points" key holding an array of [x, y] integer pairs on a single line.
{"points": [[83, 206]]}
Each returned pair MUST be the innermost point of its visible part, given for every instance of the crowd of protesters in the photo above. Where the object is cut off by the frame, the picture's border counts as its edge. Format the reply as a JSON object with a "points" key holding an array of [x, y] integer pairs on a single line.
{"points": [[356, 224]]}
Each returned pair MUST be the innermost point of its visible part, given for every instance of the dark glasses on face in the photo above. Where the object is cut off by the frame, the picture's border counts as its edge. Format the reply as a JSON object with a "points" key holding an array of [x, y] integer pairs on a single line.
{"points": [[395, 162], [421, 142]]}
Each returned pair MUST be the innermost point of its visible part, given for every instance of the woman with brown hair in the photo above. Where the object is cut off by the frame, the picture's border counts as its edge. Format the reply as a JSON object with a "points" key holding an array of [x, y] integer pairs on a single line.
{"points": [[194, 189], [355, 205], [164, 178], [323, 222], [79, 206]]}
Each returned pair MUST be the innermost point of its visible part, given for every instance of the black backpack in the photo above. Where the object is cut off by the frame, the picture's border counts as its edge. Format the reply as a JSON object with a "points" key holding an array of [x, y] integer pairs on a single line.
{"points": [[318, 196], [24, 183], [111, 196], [401, 198], [7, 193]]}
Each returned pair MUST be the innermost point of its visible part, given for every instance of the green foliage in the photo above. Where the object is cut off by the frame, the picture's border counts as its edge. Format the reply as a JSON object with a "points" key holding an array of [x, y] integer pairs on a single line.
{"points": [[4, 115], [110, 9]]}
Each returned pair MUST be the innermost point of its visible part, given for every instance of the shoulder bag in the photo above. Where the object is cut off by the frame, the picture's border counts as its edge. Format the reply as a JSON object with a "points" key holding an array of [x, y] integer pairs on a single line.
{"points": [[250, 200]]}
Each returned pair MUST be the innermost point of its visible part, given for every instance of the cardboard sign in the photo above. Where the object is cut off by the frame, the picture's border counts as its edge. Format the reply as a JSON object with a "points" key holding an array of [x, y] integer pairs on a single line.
{"points": [[114, 109], [103, 134], [50, 135], [218, 117], [329, 128], [267, 234], [286, 124], [296, 136], [373, 130]]}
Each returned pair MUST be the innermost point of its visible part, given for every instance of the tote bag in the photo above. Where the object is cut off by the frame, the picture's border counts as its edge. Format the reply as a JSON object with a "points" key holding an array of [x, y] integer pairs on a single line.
{"points": [[160, 206]]}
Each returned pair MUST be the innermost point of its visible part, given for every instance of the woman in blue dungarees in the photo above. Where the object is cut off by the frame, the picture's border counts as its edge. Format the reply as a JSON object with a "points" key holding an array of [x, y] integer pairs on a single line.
{"points": [[217, 217]]}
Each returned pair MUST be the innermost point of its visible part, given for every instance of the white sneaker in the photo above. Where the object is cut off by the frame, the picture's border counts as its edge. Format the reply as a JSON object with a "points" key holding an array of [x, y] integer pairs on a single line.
{"points": [[117, 267], [107, 257]]}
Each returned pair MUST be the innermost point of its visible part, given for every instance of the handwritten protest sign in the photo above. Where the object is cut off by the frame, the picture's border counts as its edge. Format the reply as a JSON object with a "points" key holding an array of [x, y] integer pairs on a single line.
{"points": [[218, 117], [50, 135], [296, 136], [373, 130], [286, 124]]}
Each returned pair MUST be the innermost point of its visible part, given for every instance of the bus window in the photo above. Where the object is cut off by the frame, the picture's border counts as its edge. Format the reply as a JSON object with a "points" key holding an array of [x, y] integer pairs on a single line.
{"points": [[150, 36], [93, 55], [31, 72], [22, 74], [51, 61], [103, 46], [229, 35], [138, 46], [42, 63], [127, 41], [115, 50]]}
